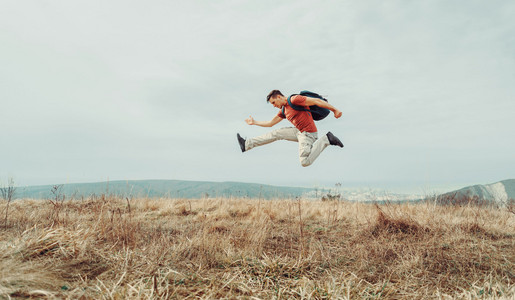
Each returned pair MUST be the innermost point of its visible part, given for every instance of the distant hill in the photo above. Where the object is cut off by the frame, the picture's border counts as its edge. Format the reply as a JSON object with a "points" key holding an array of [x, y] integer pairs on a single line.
{"points": [[499, 192], [163, 188]]}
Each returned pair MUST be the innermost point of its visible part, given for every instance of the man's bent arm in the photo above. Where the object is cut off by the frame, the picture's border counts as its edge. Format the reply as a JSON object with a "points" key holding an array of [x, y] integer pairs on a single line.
{"points": [[321, 103], [270, 123]]}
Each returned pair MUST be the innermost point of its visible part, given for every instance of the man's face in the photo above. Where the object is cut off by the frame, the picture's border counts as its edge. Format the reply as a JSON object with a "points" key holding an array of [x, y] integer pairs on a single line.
{"points": [[276, 102]]}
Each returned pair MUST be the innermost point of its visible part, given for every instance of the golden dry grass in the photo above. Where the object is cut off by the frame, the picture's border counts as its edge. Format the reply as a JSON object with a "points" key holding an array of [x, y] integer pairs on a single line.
{"points": [[109, 248]]}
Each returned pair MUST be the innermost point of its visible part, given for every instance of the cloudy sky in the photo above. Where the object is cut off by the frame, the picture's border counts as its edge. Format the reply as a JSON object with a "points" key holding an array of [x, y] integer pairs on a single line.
{"points": [[117, 90]]}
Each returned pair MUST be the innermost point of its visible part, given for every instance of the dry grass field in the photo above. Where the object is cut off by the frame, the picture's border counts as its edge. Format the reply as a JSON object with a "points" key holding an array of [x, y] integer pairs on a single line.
{"points": [[111, 248]]}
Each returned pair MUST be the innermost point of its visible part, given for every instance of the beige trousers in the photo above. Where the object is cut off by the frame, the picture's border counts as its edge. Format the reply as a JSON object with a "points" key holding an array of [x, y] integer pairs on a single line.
{"points": [[310, 146]]}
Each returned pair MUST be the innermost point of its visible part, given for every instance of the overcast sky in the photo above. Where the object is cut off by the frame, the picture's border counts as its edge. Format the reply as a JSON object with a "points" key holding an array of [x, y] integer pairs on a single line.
{"points": [[118, 90]]}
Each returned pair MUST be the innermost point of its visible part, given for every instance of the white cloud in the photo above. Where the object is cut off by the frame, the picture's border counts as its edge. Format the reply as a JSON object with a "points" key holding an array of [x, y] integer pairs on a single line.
{"points": [[162, 86]]}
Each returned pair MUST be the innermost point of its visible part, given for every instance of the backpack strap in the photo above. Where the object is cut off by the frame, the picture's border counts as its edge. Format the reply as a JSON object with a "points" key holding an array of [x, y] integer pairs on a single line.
{"points": [[296, 107]]}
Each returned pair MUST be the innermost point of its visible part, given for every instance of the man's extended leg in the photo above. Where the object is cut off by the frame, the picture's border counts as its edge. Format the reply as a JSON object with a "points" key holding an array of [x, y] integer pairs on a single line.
{"points": [[286, 133]]}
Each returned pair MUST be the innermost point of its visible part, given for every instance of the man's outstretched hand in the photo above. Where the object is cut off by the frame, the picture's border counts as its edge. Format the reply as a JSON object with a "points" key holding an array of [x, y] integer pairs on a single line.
{"points": [[250, 120], [337, 114]]}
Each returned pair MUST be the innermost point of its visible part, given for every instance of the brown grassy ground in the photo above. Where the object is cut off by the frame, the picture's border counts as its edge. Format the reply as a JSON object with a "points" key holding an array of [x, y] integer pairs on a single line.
{"points": [[239, 248]]}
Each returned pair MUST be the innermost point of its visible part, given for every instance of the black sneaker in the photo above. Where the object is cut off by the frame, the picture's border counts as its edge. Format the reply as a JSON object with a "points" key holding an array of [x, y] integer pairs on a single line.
{"points": [[334, 140], [241, 141]]}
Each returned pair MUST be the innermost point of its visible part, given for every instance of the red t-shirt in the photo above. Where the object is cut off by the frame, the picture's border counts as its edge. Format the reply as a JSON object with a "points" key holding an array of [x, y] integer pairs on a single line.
{"points": [[300, 119]]}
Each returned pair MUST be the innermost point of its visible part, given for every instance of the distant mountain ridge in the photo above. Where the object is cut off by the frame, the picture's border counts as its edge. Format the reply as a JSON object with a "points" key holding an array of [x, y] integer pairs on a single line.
{"points": [[163, 188], [498, 192]]}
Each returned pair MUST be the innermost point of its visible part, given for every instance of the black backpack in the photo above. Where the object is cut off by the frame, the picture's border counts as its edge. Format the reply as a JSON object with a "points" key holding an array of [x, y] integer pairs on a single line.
{"points": [[318, 113]]}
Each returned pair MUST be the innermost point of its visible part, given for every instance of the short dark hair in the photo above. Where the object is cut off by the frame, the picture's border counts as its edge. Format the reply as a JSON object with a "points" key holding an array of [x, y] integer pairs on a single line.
{"points": [[273, 94]]}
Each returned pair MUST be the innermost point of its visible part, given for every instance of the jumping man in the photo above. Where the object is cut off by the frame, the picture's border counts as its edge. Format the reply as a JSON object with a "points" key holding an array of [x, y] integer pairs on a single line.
{"points": [[304, 132]]}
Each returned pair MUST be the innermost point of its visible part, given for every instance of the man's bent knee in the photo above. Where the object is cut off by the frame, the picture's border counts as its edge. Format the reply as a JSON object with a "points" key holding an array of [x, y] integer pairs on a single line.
{"points": [[305, 162]]}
